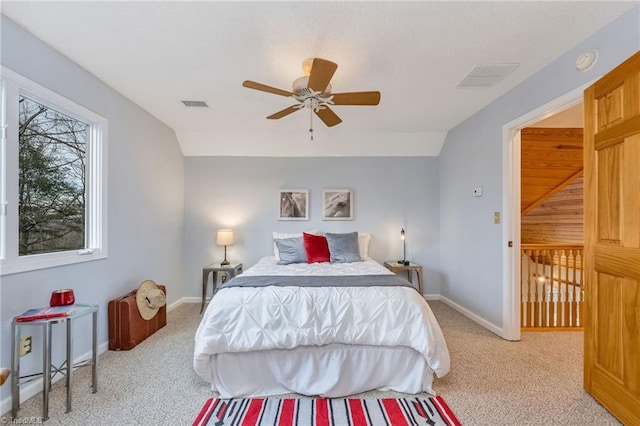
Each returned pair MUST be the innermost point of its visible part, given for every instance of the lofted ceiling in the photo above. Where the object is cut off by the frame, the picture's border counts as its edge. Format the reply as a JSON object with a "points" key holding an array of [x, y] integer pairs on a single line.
{"points": [[551, 158], [414, 53]]}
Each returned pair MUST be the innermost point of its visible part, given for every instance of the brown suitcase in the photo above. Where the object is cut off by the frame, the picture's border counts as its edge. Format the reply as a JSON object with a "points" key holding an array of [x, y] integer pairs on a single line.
{"points": [[126, 327]]}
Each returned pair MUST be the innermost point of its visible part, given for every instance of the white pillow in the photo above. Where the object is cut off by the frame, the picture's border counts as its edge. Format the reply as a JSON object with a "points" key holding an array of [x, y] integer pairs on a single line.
{"points": [[281, 235], [364, 238]]}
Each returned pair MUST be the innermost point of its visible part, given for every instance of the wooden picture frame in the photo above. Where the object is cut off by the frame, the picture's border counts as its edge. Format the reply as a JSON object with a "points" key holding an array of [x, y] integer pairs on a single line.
{"points": [[337, 204], [293, 204]]}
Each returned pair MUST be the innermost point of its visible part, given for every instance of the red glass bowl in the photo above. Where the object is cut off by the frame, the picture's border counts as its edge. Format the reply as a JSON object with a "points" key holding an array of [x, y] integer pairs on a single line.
{"points": [[62, 297]]}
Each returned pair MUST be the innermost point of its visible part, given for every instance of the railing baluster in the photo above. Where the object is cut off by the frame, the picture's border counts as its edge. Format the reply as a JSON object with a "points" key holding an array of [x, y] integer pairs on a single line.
{"points": [[531, 291], [580, 291], [570, 265], [548, 271], [551, 286], [536, 300], [574, 294], [524, 272], [550, 303]]}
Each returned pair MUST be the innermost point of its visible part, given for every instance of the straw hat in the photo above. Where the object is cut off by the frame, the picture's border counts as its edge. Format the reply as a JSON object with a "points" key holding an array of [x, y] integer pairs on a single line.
{"points": [[149, 298]]}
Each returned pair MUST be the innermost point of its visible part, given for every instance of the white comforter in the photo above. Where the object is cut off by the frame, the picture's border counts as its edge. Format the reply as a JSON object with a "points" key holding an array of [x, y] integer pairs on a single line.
{"points": [[244, 319]]}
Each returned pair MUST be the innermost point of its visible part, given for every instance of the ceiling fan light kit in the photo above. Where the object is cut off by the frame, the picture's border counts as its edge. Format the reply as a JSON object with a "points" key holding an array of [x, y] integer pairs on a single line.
{"points": [[313, 91]]}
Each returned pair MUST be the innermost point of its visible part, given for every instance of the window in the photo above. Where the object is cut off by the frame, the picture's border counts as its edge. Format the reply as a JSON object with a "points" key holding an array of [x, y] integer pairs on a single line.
{"points": [[52, 182]]}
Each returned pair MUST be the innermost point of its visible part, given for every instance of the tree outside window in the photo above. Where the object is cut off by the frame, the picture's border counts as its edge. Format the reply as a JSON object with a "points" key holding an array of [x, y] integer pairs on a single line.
{"points": [[51, 187]]}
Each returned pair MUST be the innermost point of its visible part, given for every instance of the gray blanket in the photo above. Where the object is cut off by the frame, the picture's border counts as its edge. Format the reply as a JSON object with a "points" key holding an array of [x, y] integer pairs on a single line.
{"points": [[317, 281]]}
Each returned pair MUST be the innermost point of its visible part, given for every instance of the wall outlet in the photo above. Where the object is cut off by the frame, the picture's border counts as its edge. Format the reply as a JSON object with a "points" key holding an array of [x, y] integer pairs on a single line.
{"points": [[25, 345], [496, 217], [477, 191]]}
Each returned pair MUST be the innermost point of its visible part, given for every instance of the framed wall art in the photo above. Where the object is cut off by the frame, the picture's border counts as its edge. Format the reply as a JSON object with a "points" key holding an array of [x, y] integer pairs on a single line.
{"points": [[293, 204], [337, 204]]}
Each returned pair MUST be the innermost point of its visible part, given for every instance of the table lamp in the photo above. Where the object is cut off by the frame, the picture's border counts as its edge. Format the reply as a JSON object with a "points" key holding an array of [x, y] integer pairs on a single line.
{"points": [[404, 260], [224, 238]]}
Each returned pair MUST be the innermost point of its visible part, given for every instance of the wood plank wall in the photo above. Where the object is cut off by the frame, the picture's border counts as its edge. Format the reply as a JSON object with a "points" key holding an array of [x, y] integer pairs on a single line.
{"points": [[559, 219], [550, 157], [552, 186]]}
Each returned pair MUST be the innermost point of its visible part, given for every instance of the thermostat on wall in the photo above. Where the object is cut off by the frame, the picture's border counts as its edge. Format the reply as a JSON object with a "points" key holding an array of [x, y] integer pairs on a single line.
{"points": [[477, 191]]}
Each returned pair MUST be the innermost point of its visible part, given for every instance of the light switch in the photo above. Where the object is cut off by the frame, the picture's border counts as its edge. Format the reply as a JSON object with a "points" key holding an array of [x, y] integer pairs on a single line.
{"points": [[496, 217]]}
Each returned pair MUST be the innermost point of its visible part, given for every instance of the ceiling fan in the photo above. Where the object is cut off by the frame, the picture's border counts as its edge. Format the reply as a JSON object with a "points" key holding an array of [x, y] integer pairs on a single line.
{"points": [[313, 91]]}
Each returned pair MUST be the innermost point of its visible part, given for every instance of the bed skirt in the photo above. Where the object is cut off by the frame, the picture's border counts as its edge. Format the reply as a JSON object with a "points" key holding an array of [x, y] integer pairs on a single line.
{"points": [[330, 371]]}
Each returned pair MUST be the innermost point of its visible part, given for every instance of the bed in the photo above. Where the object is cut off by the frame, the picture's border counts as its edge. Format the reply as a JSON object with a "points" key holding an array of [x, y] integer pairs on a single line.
{"points": [[327, 329]]}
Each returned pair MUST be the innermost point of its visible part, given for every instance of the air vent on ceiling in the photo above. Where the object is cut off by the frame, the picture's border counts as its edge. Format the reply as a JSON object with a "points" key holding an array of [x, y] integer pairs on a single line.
{"points": [[487, 75], [195, 104]]}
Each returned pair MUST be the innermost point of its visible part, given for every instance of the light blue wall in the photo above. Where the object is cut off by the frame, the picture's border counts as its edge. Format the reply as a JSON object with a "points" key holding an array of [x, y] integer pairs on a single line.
{"points": [[242, 193], [164, 209], [145, 201], [471, 244]]}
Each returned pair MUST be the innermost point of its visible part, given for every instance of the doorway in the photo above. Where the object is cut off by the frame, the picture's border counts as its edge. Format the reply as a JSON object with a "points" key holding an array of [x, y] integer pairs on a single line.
{"points": [[552, 221], [512, 208]]}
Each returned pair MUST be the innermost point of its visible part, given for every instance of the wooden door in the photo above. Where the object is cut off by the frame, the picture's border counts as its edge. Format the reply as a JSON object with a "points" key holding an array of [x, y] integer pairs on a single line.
{"points": [[612, 241]]}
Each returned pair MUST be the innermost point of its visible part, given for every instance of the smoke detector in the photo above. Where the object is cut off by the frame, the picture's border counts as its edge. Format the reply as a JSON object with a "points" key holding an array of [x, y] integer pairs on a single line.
{"points": [[587, 60]]}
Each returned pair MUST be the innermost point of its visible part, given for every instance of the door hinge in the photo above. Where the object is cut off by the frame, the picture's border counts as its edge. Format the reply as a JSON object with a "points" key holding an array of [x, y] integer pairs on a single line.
{"points": [[510, 243]]}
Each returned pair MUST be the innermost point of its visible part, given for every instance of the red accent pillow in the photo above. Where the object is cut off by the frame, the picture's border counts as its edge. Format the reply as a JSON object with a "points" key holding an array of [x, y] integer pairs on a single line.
{"points": [[316, 247]]}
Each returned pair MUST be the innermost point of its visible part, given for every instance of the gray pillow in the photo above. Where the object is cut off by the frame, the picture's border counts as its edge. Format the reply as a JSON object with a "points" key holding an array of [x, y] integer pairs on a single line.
{"points": [[291, 250], [344, 247]]}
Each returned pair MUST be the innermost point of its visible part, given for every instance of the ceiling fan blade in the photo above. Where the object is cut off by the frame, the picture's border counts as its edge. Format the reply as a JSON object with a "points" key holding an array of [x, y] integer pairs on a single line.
{"points": [[265, 88], [356, 98], [321, 73], [283, 113], [328, 117]]}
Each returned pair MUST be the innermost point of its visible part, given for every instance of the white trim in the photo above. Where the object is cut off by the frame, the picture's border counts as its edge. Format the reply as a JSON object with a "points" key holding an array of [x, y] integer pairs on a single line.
{"points": [[35, 387], [511, 232], [50, 98], [182, 300], [511, 205], [467, 313], [429, 296], [95, 184], [29, 390], [3, 171]]}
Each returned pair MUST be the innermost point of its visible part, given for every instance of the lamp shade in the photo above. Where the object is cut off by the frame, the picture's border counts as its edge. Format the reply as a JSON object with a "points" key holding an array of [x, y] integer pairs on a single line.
{"points": [[224, 237]]}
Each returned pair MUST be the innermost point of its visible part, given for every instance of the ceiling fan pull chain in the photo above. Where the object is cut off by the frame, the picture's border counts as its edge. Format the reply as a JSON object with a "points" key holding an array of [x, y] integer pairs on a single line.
{"points": [[311, 122]]}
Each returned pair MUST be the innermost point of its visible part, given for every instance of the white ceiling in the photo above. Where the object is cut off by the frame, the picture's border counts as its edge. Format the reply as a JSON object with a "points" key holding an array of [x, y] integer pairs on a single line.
{"points": [[570, 117], [414, 53]]}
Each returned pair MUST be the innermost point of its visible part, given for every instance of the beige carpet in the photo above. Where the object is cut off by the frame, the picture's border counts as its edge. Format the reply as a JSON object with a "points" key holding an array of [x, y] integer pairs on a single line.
{"points": [[492, 382]]}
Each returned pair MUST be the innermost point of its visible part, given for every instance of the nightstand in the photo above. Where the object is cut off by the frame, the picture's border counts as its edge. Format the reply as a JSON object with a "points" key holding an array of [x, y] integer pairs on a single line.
{"points": [[396, 267], [232, 270]]}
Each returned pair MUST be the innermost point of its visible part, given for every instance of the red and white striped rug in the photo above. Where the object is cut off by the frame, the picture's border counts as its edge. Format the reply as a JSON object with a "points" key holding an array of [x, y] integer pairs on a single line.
{"points": [[412, 411]]}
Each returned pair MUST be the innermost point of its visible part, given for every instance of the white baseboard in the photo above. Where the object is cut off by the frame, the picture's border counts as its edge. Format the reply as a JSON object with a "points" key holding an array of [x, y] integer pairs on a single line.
{"points": [[467, 313], [182, 300], [430, 296], [29, 390], [33, 388]]}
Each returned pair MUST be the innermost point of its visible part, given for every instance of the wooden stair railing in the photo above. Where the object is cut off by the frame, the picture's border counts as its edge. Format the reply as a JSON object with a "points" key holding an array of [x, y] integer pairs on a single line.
{"points": [[551, 286]]}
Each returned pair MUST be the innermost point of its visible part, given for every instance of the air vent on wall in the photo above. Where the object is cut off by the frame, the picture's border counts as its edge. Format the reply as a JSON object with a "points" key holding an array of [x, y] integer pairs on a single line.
{"points": [[487, 75], [195, 104]]}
